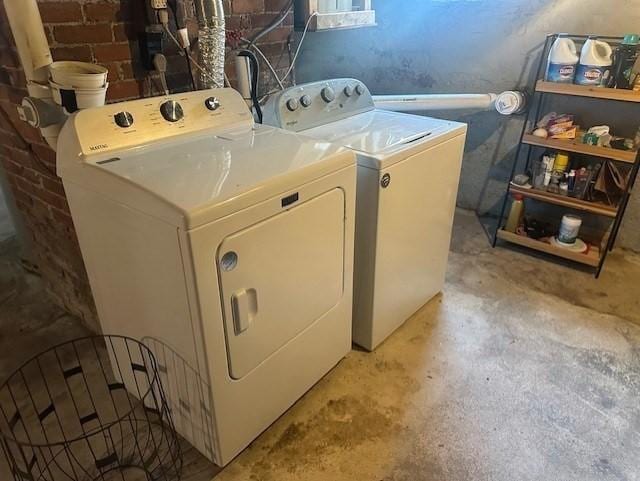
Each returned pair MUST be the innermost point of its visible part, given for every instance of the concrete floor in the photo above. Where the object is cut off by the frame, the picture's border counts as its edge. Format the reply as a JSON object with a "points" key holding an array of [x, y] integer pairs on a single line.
{"points": [[522, 370]]}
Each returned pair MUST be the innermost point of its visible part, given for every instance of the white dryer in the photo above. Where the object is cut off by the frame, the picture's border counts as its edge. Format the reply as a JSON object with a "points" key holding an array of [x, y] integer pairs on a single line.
{"points": [[408, 174], [226, 246]]}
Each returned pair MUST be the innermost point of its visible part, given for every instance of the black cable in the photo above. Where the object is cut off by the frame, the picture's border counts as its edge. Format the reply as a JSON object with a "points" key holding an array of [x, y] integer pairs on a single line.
{"points": [[255, 75], [187, 54], [193, 81]]}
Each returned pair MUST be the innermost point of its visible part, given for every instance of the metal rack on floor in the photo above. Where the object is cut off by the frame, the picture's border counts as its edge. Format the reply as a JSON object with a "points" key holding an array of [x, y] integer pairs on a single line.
{"points": [[596, 256]]}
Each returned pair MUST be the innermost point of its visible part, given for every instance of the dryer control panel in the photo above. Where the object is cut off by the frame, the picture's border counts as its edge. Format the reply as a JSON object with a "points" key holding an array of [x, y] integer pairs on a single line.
{"points": [[128, 124], [318, 103]]}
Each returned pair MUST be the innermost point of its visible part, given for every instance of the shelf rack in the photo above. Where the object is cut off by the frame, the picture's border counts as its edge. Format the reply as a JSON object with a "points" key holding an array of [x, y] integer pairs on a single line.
{"points": [[596, 256]]}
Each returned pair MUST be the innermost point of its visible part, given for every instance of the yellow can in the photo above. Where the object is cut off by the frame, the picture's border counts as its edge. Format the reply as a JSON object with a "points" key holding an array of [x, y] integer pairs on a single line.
{"points": [[562, 162]]}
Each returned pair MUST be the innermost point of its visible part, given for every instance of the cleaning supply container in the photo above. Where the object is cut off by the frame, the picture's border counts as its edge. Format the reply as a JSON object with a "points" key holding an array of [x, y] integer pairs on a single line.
{"points": [[569, 229], [561, 163], [624, 59], [595, 63], [515, 214], [563, 60]]}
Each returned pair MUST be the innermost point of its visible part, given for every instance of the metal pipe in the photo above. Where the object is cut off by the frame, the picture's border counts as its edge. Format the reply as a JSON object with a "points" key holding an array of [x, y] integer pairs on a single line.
{"points": [[211, 40]]}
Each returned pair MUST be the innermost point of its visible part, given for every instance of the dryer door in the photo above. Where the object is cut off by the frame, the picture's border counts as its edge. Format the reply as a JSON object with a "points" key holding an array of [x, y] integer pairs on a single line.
{"points": [[280, 276]]}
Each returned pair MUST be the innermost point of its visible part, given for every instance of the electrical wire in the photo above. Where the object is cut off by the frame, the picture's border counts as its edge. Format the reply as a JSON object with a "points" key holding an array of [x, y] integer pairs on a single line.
{"points": [[173, 7], [266, 61], [190, 69], [195, 63], [273, 25], [293, 61], [295, 57]]}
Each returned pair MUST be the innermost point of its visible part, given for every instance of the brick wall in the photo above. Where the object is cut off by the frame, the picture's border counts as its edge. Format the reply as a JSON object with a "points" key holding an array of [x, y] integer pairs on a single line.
{"points": [[102, 31]]}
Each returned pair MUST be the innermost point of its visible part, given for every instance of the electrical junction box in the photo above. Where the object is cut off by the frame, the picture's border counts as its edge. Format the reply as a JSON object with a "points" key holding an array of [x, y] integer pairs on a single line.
{"points": [[333, 14]]}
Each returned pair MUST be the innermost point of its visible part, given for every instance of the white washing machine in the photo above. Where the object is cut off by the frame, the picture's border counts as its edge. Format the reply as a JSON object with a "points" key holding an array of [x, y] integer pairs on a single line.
{"points": [[226, 246], [408, 174]]}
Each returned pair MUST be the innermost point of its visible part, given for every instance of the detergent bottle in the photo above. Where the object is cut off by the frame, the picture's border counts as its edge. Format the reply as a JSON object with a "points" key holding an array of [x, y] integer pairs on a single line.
{"points": [[563, 59], [625, 58], [595, 63]]}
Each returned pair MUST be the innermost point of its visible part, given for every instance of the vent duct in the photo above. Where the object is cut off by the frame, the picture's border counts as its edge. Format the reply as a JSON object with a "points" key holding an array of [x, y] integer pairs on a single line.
{"points": [[211, 40]]}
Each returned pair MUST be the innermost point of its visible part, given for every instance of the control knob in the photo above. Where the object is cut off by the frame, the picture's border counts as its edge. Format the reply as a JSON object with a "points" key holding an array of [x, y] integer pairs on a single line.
{"points": [[328, 95], [212, 103], [305, 100], [348, 90], [123, 119], [292, 105], [171, 111], [360, 89]]}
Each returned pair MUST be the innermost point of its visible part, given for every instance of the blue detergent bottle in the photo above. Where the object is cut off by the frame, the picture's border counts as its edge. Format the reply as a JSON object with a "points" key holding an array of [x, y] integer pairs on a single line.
{"points": [[563, 60], [595, 63]]}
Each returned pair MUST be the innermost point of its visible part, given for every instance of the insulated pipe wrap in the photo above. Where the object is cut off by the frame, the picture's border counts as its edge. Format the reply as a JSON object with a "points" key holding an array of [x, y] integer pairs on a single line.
{"points": [[211, 40]]}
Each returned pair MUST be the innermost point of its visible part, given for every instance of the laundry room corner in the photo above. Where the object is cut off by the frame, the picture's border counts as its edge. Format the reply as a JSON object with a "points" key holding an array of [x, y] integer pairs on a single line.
{"points": [[450, 46]]}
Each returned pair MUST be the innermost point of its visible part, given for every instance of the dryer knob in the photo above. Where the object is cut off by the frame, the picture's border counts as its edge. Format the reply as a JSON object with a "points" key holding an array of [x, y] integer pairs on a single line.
{"points": [[123, 119], [360, 89], [328, 95], [305, 100], [292, 105], [171, 111], [348, 90]]}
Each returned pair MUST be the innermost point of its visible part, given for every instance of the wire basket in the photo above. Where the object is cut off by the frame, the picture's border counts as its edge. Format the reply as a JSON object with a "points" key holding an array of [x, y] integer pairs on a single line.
{"points": [[89, 409]]}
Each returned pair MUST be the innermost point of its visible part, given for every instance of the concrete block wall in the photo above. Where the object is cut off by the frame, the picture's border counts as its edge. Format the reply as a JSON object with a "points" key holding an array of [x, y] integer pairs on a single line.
{"points": [[104, 32]]}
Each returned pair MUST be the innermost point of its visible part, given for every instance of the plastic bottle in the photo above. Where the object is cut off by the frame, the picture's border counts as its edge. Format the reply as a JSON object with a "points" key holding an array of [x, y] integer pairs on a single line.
{"points": [[515, 214], [595, 63], [563, 59], [569, 229], [561, 163], [625, 57]]}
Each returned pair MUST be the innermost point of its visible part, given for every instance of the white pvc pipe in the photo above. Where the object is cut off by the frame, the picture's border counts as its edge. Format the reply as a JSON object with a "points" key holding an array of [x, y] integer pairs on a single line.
{"points": [[31, 42], [243, 74], [33, 49], [423, 102]]}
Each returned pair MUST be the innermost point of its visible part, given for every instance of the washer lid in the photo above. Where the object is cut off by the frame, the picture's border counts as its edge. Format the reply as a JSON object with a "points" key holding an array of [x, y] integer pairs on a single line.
{"points": [[380, 133], [210, 176]]}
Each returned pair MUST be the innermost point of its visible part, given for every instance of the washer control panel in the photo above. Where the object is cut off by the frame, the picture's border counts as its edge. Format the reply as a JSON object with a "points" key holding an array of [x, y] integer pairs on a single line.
{"points": [[127, 124], [310, 105]]}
